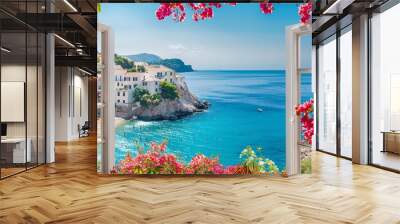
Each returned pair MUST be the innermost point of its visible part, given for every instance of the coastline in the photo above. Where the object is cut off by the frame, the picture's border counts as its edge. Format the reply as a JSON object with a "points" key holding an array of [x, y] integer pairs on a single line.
{"points": [[118, 121]]}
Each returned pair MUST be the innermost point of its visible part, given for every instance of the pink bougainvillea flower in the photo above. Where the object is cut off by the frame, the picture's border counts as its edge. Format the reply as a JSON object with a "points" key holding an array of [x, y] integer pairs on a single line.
{"points": [[177, 10], [204, 165], [163, 11], [157, 161], [266, 7], [202, 11], [307, 122], [218, 169], [231, 169], [305, 12]]}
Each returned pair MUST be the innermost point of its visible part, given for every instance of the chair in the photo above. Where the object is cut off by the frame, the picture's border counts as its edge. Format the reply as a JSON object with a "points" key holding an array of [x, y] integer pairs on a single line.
{"points": [[84, 130]]}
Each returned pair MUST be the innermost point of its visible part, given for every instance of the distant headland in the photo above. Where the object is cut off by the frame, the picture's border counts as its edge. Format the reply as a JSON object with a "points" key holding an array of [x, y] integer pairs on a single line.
{"points": [[173, 63]]}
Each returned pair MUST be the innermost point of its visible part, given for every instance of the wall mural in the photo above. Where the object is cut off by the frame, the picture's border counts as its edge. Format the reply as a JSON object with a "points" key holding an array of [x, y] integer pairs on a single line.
{"points": [[203, 97]]}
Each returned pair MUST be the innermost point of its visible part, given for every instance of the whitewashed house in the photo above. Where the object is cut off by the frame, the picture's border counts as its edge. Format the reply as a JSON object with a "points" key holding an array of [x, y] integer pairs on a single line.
{"points": [[162, 73]]}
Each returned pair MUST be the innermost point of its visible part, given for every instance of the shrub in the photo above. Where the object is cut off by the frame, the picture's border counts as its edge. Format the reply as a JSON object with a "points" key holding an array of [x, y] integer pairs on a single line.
{"points": [[123, 62], [252, 164], [305, 166], [138, 93], [150, 100], [156, 160], [140, 68], [200, 164], [305, 112], [168, 90]]}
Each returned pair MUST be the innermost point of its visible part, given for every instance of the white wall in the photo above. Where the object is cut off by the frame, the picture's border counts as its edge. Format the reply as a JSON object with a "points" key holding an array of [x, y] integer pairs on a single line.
{"points": [[71, 86], [12, 73], [81, 94], [33, 126]]}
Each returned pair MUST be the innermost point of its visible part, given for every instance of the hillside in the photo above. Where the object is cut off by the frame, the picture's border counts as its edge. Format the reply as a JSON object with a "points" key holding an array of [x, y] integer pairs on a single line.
{"points": [[145, 57], [177, 64], [174, 63]]}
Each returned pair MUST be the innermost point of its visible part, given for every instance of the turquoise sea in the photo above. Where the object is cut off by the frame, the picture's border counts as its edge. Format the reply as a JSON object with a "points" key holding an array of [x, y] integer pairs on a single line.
{"points": [[231, 123]]}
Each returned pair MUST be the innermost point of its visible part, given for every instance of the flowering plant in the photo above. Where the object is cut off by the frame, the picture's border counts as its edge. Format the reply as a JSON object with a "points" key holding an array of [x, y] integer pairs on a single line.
{"points": [[202, 11], [305, 12], [305, 111], [157, 161], [154, 161], [200, 164], [252, 164]]}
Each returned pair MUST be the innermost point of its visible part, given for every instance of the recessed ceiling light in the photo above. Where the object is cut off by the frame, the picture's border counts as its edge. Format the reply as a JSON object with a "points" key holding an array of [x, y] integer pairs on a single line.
{"points": [[86, 72], [5, 50], [64, 40], [70, 5], [337, 7]]}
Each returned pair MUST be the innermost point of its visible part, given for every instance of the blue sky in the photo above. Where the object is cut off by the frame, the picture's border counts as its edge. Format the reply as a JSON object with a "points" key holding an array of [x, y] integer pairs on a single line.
{"points": [[238, 37]]}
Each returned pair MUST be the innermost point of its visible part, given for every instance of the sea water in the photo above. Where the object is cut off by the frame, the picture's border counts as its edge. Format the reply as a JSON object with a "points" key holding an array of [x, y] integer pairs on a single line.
{"points": [[247, 109]]}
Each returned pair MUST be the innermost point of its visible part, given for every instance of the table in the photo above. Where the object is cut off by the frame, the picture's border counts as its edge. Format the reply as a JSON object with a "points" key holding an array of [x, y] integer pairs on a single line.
{"points": [[16, 147]]}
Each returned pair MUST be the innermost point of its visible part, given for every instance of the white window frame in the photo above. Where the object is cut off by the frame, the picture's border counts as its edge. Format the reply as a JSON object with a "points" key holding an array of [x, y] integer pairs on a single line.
{"points": [[107, 104], [293, 71]]}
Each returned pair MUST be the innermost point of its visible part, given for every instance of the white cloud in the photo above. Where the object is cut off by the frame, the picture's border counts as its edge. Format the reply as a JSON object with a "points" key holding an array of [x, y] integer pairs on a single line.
{"points": [[176, 47]]}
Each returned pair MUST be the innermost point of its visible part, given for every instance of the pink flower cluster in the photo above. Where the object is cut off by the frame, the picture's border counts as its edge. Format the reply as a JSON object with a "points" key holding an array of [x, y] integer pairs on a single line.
{"points": [[154, 161], [307, 121], [266, 7], [200, 164], [157, 161], [305, 12], [177, 10], [202, 11]]}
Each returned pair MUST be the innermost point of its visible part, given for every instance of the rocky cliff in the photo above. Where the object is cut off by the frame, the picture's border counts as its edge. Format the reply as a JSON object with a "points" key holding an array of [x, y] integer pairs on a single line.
{"points": [[186, 104]]}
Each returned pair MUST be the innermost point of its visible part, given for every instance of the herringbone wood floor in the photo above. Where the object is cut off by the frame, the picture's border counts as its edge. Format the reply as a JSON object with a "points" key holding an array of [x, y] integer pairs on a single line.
{"points": [[70, 191]]}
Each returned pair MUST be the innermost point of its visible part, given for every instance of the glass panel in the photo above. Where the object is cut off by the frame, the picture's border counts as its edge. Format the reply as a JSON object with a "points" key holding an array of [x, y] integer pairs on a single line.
{"points": [[41, 99], [346, 94], [13, 77], [327, 96], [305, 87], [99, 105], [305, 51], [31, 98], [385, 84]]}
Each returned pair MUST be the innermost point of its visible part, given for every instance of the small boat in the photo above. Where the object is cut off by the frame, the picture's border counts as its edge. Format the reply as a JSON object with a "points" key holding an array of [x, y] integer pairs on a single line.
{"points": [[260, 110]]}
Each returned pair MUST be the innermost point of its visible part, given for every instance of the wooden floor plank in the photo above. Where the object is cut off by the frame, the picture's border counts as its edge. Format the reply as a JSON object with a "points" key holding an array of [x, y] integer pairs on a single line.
{"points": [[70, 191]]}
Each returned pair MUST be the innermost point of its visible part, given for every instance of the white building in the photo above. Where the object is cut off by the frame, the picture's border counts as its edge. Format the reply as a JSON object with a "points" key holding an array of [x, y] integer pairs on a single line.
{"points": [[126, 82], [162, 73], [141, 63], [120, 79]]}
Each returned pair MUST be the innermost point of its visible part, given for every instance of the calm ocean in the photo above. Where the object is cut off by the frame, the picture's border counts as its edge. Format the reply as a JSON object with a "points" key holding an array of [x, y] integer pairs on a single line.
{"points": [[231, 123]]}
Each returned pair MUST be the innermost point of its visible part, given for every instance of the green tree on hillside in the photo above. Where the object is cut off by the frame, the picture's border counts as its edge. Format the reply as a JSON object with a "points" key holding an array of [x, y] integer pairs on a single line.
{"points": [[124, 62], [139, 93], [150, 100], [140, 68], [168, 90]]}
